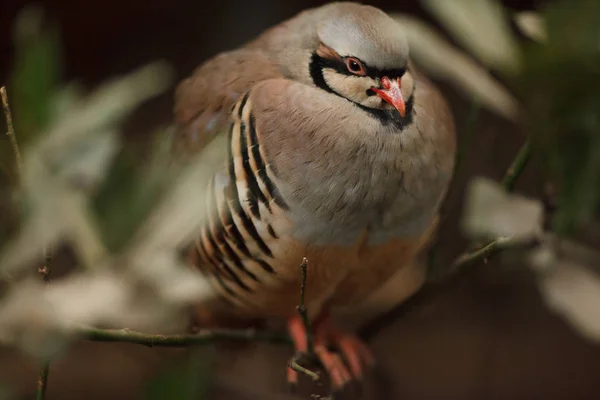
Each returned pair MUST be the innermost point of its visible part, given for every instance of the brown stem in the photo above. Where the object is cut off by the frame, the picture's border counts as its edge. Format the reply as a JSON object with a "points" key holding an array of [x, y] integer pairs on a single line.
{"points": [[302, 308], [494, 247], [44, 271], [42, 383], [517, 167], [299, 368], [45, 368], [202, 337], [11, 131]]}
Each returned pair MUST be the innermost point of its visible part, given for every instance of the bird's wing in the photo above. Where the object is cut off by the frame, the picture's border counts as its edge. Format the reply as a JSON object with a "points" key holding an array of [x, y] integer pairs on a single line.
{"points": [[246, 248], [203, 101]]}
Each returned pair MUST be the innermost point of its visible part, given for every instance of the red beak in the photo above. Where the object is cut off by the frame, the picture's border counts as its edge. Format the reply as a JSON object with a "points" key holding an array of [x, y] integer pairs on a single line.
{"points": [[392, 93]]}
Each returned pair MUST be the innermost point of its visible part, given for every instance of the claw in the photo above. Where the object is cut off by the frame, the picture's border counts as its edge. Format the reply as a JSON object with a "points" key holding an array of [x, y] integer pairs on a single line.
{"points": [[352, 350], [356, 354], [333, 364]]}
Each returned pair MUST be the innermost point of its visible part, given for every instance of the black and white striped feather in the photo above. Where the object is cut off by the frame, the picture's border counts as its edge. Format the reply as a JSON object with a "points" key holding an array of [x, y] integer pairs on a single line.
{"points": [[236, 246]]}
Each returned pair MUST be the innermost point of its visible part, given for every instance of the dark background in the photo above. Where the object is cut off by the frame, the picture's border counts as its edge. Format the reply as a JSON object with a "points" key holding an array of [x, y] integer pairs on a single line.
{"points": [[487, 337]]}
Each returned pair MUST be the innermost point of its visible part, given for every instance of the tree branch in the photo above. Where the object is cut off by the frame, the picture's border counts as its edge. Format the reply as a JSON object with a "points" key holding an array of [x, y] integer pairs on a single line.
{"points": [[200, 338], [44, 271], [45, 368], [42, 383], [299, 368], [11, 132], [302, 308], [461, 266], [517, 167], [492, 248]]}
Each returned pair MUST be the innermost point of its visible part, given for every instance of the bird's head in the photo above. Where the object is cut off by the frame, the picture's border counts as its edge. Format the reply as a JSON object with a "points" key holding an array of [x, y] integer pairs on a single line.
{"points": [[362, 55]]}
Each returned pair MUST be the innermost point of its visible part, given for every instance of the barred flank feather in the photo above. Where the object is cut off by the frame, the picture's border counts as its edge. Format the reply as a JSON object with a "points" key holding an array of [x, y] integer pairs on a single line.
{"points": [[234, 249]]}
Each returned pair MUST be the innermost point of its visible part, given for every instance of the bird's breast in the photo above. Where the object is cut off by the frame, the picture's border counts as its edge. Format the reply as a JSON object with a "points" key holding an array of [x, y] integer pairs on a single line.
{"points": [[376, 186]]}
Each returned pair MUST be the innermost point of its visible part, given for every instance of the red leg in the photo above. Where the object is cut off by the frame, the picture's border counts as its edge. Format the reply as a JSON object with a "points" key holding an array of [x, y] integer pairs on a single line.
{"points": [[353, 350]]}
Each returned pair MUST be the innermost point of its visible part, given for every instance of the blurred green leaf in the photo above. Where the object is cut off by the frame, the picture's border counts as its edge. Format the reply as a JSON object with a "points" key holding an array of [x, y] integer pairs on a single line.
{"points": [[131, 191], [477, 25], [531, 25], [187, 381], [443, 61], [36, 72], [560, 86], [6, 392]]}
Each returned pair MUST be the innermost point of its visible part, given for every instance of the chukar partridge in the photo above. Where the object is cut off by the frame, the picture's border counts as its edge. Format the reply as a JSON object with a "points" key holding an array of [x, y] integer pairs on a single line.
{"points": [[339, 151]]}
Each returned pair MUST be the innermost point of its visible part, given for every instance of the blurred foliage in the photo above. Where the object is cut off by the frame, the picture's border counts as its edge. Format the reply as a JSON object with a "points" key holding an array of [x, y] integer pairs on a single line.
{"points": [[125, 217], [560, 88], [36, 73], [6, 392], [121, 202], [553, 76], [188, 380], [125, 201], [83, 186], [86, 186], [34, 79]]}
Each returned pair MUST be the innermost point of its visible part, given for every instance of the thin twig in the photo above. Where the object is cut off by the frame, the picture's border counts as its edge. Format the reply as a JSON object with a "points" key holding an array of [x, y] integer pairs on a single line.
{"points": [[42, 383], [44, 271], [517, 167], [484, 253], [512, 174], [11, 132], [202, 337], [303, 312], [461, 266], [299, 368], [45, 368], [302, 308]]}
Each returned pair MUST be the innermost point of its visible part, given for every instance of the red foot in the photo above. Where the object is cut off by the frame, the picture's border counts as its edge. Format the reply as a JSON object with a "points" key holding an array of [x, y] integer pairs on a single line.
{"points": [[353, 350]]}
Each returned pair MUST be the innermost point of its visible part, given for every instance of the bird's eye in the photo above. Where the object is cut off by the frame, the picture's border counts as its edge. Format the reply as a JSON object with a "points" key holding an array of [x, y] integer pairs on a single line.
{"points": [[355, 66]]}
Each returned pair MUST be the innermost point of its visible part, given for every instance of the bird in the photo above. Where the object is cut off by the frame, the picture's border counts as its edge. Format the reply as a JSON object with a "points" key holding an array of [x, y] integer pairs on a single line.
{"points": [[338, 151]]}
